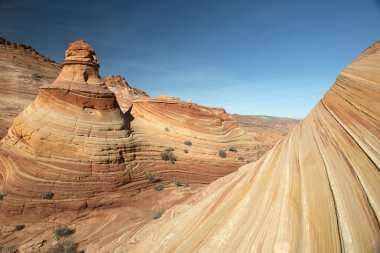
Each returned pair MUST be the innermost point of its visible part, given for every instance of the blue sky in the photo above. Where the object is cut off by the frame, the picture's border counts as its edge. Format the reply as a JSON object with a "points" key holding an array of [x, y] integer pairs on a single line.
{"points": [[250, 57]]}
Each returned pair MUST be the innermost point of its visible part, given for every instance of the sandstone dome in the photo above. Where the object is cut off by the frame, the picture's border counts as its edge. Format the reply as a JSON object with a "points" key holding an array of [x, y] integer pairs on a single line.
{"points": [[77, 118]]}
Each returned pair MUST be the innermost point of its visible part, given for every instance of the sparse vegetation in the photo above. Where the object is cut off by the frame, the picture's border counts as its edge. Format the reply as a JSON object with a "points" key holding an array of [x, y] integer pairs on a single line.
{"points": [[63, 230], [153, 178], [240, 158], [188, 143], [158, 213], [2, 195], [64, 246], [166, 129], [222, 154], [168, 155], [19, 227], [169, 149], [47, 195], [233, 149], [159, 187], [177, 182]]}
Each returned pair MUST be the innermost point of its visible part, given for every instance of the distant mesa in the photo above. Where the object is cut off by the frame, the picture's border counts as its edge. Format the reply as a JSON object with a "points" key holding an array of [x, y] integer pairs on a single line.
{"points": [[166, 97]]}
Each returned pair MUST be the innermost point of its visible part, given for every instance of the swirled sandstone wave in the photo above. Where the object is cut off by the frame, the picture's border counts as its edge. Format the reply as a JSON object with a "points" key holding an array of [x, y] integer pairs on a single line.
{"points": [[318, 190]]}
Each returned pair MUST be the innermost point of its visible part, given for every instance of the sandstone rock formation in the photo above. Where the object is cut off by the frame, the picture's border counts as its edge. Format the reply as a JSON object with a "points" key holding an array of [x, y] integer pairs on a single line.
{"points": [[318, 190], [125, 94], [22, 71], [75, 142], [71, 141], [76, 118]]}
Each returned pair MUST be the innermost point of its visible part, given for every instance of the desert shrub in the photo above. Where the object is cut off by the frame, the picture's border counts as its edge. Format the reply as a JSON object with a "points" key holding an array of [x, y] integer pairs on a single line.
{"points": [[240, 158], [153, 178], [63, 230], [186, 151], [159, 187], [2, 195], [64, 246], [47, 195], [177, 182], [158, 213], [167, 155], [166, 129], [188, 143], [233, 149], [19, 227], [222, 154]]}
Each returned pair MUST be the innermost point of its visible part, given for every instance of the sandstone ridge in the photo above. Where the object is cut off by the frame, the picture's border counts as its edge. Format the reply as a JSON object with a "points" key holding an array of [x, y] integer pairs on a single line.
{"points": [[22, 71], [318, 190]]}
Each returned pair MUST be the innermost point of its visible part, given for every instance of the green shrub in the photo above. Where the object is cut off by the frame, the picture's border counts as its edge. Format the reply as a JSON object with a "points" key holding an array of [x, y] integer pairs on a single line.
{"points": [[186, 151], [177, 182], [240, 158], [159, 187], [158, 213], [153, 178], [167, 155], [169, 149], [19, 227], [47, 195], [233, 149], [222, 154], [188, 143], [63, 230]]}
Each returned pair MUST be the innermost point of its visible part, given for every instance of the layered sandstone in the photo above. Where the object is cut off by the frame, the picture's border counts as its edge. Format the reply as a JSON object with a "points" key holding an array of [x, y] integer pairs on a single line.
{"points": [[318, 190], [72, 140], [75, 141], [125, 94], [22, 71], [76, 118]]}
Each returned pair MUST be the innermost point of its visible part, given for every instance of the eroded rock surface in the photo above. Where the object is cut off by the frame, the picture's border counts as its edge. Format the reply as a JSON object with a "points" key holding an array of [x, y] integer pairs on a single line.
{"points": [[75, 141], [22, 71], [125, 94], [318, 190]]}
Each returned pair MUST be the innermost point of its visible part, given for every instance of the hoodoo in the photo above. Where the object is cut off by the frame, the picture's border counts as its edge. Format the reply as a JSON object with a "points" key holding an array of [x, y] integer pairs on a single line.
{"points": [[72, 141], [77, 118]]}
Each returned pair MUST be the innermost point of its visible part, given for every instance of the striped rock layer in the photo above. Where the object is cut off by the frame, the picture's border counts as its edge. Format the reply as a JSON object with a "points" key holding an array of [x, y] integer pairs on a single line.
{"points": [[22, 71], [75, 141], [318, 190]]}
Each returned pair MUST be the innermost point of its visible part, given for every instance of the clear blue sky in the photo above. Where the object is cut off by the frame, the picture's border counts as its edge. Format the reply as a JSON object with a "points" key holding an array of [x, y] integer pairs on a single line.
{"points": [[250, 57]]}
